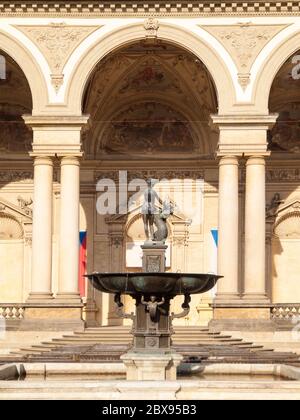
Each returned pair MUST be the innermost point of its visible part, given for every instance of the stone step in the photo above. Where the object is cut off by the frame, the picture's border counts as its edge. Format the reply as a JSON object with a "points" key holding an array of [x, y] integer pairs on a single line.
{"points": [[117, 390], [62, 342]]}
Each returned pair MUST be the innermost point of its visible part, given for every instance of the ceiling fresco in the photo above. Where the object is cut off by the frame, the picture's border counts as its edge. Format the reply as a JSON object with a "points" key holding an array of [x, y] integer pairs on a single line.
{"points": [[285, 100], [15, 100], [147, 99]]}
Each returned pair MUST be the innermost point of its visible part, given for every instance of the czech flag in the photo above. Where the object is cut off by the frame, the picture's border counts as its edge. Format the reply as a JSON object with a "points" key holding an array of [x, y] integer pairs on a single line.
{"points": [[82, 263], [213, 256]]}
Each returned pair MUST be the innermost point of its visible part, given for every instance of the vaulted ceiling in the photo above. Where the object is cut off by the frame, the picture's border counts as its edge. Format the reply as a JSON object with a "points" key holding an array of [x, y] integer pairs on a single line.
{"points": [[15, 100], [150, 98], [285, 100]]}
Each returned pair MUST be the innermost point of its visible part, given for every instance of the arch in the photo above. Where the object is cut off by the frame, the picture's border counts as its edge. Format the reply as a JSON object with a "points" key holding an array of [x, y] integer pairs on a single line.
{"points": [[269, 70], [288, 225], [30, 68], [203, 144], [133, 33], [10, 228]]}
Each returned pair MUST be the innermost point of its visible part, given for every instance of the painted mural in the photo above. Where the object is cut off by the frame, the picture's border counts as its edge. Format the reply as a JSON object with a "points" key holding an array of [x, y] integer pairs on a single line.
{"points": [[150, 98], [285, 135], [15, 136], [15, 101], [146, 128]]}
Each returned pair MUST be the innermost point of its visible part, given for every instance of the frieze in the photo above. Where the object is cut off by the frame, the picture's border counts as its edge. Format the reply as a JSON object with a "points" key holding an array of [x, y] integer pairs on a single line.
{"points": [[152, 173], [153, 8], [16, 176], [283, 175]]}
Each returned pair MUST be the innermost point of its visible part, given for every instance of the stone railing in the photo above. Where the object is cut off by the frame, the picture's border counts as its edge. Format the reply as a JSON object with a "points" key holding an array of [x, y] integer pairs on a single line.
{"points": [[285, 311], [11, 311]]}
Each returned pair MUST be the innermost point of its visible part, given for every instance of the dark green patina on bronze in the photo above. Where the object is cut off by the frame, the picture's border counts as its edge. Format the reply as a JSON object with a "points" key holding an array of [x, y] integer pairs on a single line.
{"points": [[152, 322]]}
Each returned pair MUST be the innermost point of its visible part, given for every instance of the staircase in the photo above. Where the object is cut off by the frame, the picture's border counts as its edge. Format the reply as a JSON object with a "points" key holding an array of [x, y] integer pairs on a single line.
{"points": [[106, 344], [120, 336]]}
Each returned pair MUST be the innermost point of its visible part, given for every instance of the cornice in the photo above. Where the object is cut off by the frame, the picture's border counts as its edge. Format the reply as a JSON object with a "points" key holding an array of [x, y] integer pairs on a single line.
{"points": [[154, 8]]}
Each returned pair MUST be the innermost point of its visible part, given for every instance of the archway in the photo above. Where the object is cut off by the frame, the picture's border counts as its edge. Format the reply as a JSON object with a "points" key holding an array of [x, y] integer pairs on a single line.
{"points": [[149, 105], [16, 182], [272, 65], [29, 67], [167, 33], [284, 144]]}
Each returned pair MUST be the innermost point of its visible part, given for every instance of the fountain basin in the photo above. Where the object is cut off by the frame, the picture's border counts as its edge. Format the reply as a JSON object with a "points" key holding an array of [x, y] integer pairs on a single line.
{"points": [[171, 284], [151, 356]]}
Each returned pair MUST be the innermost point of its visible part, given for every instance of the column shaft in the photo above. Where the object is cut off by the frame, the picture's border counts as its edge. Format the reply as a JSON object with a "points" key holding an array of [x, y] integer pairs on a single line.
{"points": [[228, 229], [69, 230], [255, 229], [42, 230]]}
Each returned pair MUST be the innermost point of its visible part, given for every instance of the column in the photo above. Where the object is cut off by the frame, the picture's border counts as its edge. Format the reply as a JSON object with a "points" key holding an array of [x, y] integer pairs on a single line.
{"points": [[42, 230], [255, 230], [69, 230], [228, 229]]}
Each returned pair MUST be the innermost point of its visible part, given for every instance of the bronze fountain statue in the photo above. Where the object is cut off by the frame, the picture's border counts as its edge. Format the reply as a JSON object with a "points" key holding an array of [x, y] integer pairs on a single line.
{"points": [[153, 215], [152, 292]]}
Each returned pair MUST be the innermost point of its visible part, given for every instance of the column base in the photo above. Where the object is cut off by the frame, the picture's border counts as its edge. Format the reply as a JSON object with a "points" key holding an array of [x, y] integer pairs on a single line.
{"points": [[153, 366], [51, 316], [249, 325], [40, 297], [255, 298], [242, 316], [66, 297], [224, 298]]}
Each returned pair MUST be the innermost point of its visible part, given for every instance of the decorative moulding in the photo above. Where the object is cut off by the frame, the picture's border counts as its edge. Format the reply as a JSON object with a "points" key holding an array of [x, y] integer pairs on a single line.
{"points": [[244, 42], [57, 41], [160, 8]]}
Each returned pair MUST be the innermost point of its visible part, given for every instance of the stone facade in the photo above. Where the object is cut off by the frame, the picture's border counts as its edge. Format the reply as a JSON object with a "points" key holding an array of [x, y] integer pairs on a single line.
{"points": [[157, 90]]}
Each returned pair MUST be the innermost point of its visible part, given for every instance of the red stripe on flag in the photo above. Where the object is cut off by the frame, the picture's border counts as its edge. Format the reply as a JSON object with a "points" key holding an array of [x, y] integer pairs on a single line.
{"points": [[82, 263]]}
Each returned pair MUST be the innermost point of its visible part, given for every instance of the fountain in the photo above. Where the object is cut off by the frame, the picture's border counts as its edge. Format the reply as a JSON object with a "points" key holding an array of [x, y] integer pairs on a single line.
{"points": [[151, 356]]}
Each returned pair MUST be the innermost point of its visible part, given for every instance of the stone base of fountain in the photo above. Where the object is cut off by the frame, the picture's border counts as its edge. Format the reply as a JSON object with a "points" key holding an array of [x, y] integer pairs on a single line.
{"points": [[150, 366], [151, 356], [154, 257]]}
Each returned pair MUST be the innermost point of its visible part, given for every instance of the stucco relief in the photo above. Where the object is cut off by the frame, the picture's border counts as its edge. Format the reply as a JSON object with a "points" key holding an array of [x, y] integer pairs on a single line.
{"points": [[57, 41], [244, 41], [153, 173], [16, 176], [9, 228], [287, 225], [283, 175], [151, 26], [13, 218]]}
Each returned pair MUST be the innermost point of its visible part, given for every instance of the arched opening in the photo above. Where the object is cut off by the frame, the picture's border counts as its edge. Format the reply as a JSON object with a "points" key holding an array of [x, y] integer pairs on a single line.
{"points": [[285, 100], [283, 182], [16, 182], [149, 105], [150, 98], [15, 101]]}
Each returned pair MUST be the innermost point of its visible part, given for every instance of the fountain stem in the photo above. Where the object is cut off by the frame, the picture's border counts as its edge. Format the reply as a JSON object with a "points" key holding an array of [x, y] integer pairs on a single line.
{"points": [[151, 357]]}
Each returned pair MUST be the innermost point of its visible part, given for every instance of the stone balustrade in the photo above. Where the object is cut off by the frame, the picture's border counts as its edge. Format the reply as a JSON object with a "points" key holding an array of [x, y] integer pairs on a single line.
{"points": [[11, 311], [285, 311]]}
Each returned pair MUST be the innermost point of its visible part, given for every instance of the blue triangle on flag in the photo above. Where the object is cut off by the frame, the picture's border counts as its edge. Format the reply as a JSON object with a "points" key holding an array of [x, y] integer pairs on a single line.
{"points": [[214, 233]]}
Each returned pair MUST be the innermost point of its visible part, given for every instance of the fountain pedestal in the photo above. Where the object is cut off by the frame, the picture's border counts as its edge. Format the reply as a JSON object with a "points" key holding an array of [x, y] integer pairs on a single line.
{"points": [[151, 356], [154, 257], [150, 366]]}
